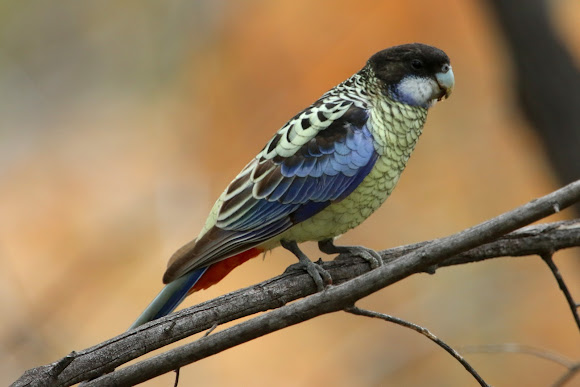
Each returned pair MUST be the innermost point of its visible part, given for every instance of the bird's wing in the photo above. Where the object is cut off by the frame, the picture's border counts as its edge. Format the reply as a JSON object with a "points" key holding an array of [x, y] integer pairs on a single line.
{"points": [[319, 157]]}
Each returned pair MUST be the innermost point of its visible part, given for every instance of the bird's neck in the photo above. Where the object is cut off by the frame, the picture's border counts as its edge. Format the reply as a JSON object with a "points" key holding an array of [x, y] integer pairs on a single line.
{"points": [[396, 127]]}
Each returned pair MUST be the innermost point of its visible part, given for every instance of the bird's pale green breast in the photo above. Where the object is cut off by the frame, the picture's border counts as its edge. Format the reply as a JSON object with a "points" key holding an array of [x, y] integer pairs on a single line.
{"points": [[396, 128]]}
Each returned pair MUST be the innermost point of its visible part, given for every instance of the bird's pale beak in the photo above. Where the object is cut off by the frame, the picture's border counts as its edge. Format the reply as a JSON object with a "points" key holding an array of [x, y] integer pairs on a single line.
{"points": [[446, 81]]}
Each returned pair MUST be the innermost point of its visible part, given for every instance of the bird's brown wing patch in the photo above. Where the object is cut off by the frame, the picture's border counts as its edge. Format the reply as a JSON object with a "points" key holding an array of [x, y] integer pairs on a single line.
{"points": [[216, 245]]}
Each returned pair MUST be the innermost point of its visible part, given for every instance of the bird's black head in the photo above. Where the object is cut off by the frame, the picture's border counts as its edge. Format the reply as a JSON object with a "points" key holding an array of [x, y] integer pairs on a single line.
{"points": [[415, 74]]}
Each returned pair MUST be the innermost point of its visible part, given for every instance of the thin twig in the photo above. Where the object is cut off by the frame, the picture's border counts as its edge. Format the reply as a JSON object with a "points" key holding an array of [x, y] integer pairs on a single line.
{"points": [[424, 331], [176, 383], [520, 348], [210, 330], [566, 377], [562, 284], [572, 367]]}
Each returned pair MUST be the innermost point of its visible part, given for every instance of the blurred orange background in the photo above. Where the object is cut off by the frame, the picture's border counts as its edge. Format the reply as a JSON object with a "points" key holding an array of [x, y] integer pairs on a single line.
{"points": [[121, 123]]}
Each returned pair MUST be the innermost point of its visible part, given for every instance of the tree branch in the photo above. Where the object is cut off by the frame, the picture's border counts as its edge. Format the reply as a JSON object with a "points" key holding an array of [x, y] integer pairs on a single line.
{"points": [[277, 292]]}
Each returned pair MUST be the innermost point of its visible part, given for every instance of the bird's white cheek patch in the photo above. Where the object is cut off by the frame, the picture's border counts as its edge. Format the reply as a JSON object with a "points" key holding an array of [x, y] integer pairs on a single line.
{"points": [[417, 91]]}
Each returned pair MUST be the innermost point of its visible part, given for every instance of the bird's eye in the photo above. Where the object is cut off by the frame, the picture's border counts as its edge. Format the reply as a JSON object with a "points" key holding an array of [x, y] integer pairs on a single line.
{"points": [[416, 64]]}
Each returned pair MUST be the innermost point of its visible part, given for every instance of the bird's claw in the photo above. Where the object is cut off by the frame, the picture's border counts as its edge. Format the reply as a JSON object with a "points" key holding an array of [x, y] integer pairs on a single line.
{"points": [[371, 256], [319, 275]]}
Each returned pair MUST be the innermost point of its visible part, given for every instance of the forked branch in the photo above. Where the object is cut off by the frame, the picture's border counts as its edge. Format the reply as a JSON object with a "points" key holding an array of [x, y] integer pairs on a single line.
{"points": [[352, 281]]}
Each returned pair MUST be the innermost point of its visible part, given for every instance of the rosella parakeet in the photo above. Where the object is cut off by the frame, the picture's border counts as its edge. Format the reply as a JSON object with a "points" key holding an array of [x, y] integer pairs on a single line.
{"points": [[324, 172]]}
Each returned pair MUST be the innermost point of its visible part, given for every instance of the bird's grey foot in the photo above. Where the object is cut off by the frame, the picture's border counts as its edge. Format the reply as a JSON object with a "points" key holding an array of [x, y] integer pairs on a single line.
{"points": [[327, 246], [320, 276]]}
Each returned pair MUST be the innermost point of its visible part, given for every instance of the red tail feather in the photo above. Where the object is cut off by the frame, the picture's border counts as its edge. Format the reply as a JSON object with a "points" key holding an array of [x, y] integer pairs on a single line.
{"points": [[216, 272]]}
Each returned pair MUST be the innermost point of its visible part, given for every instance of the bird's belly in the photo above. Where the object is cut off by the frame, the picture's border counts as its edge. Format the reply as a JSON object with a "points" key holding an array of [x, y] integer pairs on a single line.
{"points": [[341, 216]]}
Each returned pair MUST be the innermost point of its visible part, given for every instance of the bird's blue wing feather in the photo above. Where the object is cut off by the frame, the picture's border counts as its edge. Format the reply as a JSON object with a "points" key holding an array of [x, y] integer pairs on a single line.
{"points": [[325, 168], [318, 158]]}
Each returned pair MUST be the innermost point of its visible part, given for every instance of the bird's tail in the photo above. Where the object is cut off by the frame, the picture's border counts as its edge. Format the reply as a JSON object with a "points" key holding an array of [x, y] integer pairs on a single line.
{"points": [[175, 292], [169, 297]]}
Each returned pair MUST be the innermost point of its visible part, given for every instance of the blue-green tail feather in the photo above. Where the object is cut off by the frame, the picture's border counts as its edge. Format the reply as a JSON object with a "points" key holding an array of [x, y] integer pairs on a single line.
{"points": [[169, 298]]}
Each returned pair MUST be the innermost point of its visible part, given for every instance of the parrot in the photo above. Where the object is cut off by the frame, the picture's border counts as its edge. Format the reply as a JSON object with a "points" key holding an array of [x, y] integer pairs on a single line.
{"points": [[322, 173]]}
